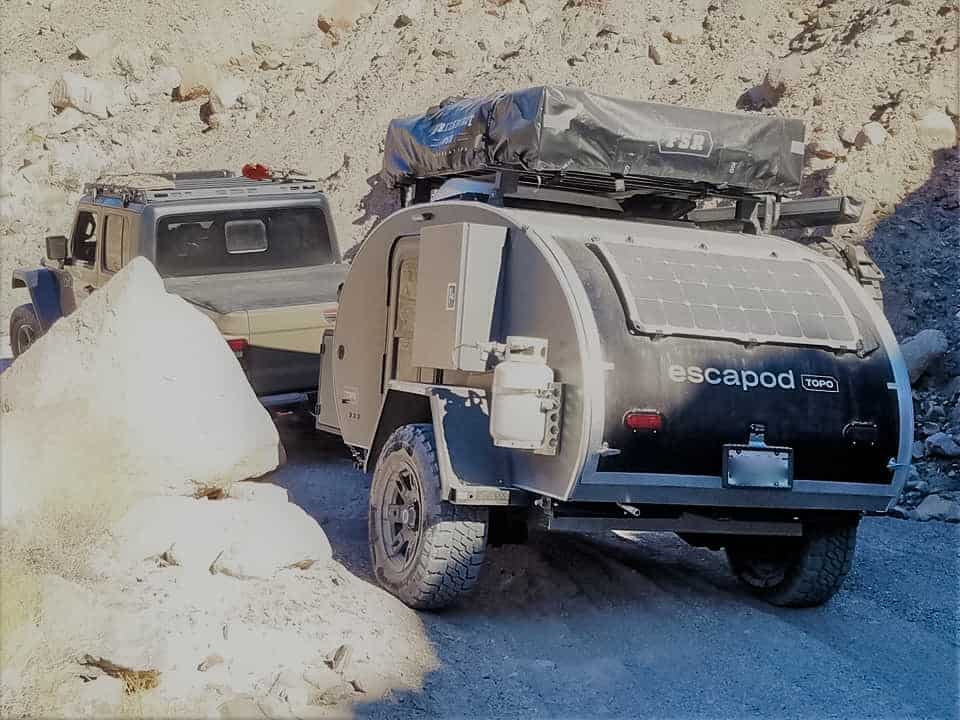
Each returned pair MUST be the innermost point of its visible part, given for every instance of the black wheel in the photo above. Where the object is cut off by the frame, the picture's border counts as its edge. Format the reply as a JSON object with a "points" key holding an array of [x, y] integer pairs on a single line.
{"points": [[796, 572], [426, 551], [24, 329]]}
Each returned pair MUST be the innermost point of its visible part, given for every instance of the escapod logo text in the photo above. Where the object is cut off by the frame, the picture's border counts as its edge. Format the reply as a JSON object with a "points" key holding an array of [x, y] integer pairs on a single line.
{"points": [[748, 380]]}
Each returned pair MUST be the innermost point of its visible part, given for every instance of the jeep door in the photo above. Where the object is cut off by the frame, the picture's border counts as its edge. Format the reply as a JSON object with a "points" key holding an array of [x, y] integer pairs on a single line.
{"points": [[84, 243]]}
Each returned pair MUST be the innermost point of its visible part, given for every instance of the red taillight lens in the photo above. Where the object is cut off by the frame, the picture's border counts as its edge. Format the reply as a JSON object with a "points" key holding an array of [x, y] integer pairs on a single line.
{"points": [[644, 421], [238, 345]]}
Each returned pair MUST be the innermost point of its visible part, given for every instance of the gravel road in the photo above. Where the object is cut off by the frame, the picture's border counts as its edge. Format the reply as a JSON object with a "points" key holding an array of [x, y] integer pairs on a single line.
{"points": [[574, 626]]}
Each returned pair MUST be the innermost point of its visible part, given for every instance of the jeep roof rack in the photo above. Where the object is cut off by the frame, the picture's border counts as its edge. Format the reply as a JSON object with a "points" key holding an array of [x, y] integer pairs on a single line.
{"points": [[145, 188]]}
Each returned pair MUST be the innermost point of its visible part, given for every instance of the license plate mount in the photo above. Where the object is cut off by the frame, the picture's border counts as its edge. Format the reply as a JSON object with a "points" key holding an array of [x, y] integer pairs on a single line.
{"points": [[750, 466]]}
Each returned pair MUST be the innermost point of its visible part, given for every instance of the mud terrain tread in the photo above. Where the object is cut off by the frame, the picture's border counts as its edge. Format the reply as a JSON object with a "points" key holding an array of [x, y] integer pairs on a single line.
{"points": [[454, 538], [815, 573], [23, 315]]}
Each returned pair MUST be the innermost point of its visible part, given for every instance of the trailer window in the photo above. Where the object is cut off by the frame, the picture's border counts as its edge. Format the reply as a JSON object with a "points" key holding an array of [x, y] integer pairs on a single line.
{"points": [[242, 241]]}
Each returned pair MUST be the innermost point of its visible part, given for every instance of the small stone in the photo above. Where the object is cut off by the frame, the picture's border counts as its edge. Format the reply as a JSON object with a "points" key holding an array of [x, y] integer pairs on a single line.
{"points": [[93, 46], [873, 133], [829, 147], [226, 94], [210, 661], [919, 450], [654, 53], [271, 61], [848, 134], [341, 658], [325, 24], [943, 445], [937, 130], [608, 29], [402, 21], [196, 79], [929, 428], [683, 32], [358, 686], [510, 52]]}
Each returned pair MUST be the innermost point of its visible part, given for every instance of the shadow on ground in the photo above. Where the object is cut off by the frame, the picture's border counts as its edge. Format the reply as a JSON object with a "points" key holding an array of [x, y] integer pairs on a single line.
{"points": [[574, 627]]}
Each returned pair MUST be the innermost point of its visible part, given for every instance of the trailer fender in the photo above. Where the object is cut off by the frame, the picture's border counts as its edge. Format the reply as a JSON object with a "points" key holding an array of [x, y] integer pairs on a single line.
{"points": [[44, 287], [472, 470]]}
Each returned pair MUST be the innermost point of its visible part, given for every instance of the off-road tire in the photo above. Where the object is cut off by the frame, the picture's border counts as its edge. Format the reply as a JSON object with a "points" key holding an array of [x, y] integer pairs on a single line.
{"points": [[444, 562], [844, 254], [796, 572], [23, 323]]}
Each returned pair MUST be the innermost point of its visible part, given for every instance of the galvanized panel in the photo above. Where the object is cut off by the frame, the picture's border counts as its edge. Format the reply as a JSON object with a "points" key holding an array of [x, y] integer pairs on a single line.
{"points": [[457, 280], [669, 291]]}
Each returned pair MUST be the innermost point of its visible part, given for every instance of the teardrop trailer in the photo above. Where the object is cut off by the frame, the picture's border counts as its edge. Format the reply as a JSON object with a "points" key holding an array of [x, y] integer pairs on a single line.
{"points": [[551, 332]]}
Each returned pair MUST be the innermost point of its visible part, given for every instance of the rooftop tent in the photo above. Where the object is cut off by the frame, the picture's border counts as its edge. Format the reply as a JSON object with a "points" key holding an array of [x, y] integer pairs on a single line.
{"points": [[578, 140]]}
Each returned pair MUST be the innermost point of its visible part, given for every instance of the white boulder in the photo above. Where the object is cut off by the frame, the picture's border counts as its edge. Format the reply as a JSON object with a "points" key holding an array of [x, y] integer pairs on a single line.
{"points": [[230, 537], [258, 492], [146, 372]]}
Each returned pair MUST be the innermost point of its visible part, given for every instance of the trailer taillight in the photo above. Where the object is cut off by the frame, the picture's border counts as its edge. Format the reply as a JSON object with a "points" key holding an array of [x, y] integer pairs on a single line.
{"points": [[238, 345], [650, 421]]}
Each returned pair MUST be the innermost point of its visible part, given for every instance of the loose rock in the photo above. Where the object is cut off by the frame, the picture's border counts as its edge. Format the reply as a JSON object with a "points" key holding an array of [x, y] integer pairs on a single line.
{"points": [[86, 95], [873, 133], [402, 21], [937, 130], [922, 350], [942, 444], [196, 79], [937, 507], [93, 46]]}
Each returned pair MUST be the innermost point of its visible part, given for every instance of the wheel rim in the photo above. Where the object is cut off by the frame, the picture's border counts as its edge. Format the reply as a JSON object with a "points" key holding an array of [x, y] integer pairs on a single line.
{"points": [[401, 516], [25, 338]]}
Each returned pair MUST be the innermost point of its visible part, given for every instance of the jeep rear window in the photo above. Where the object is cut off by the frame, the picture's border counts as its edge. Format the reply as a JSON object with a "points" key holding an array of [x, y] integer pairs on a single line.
{"points": [[242, 241]]}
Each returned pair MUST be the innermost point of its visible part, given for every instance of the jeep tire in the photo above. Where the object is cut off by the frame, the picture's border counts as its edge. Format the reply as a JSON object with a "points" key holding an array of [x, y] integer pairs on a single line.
{"points": [[24, 329], [796, 572], [425, 550]]}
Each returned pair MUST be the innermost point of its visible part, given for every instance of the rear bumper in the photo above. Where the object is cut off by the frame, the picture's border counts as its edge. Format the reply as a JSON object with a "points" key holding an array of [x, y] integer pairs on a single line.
{"points": [[280, 372], [707, 491]]}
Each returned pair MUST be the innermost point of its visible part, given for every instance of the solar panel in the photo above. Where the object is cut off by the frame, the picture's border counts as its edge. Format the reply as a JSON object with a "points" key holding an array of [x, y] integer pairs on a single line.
{"points": [[669, 291]]}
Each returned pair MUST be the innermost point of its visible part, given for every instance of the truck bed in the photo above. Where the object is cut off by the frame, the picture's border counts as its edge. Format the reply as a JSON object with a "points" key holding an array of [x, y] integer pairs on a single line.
{"points": [[232, 292]]}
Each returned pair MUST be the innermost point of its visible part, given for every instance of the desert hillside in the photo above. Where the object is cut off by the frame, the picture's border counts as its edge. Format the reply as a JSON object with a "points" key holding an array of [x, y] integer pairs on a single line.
{"points": [[312, 85]]}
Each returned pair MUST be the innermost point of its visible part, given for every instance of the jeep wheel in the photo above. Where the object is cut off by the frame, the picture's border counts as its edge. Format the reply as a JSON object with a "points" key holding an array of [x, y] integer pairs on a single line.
{"points": [[796, 572], [426, 551], [24, 329]]}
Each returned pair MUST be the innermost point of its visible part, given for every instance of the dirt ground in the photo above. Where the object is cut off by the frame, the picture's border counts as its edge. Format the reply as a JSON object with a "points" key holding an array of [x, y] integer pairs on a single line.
{"points": [[574, 626]]}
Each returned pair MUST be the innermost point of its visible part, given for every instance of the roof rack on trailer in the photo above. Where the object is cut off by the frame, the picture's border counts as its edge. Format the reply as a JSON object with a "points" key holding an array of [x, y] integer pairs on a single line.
{"points": [[193, 185]]}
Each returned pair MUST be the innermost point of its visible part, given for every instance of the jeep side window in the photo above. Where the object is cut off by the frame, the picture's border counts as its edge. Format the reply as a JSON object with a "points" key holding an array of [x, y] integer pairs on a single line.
{"points": [[113, 242], [85, 238]]}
